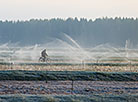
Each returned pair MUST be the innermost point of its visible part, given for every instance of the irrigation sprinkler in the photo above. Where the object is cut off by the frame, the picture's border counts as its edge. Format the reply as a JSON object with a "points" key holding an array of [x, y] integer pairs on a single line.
{"points": [[130, 64], [98, 59], [83, 63]]}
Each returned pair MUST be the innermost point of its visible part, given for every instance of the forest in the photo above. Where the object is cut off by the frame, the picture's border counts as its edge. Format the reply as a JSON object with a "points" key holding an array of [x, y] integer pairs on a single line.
{"points": [[86, 32]]}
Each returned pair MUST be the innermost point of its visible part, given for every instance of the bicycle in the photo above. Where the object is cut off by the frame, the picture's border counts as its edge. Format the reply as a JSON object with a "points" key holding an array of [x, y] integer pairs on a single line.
{"points": [[44, 59]]}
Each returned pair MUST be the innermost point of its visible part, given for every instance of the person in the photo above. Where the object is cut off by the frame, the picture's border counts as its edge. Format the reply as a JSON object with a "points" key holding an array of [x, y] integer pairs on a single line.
{"points": [[44, 55]]}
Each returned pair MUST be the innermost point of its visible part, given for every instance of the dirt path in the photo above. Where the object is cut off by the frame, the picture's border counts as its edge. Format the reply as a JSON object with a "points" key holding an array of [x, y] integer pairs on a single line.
{"points": [[65, 87]]}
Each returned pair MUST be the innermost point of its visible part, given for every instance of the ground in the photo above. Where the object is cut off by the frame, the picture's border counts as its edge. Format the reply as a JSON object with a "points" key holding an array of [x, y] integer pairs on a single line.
{"points": [[66, 88]]}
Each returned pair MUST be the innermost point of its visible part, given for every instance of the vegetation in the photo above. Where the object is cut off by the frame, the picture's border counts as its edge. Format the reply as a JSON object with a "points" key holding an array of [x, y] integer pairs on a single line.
{"points": [[94, 67], [85, 32], [67, 75], [69, 98]]}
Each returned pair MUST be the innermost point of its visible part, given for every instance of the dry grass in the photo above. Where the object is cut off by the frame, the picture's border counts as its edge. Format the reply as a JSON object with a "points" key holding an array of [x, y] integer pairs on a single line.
{"points": [[94, 68]]}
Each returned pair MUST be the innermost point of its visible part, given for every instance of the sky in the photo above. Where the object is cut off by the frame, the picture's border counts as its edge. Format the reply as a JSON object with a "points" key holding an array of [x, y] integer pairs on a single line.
{"points": [[47, 9]]}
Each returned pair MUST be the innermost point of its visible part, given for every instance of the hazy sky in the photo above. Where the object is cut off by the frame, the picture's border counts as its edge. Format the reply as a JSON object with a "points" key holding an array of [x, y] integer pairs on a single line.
{"points": [[27, 9]]}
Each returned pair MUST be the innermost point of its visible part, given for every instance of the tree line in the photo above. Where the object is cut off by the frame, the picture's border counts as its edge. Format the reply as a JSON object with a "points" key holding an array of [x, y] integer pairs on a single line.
{"points": [[85, 32]]}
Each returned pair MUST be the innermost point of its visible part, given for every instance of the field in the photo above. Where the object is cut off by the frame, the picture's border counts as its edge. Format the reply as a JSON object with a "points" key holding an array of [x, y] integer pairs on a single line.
{"points": [[70, 75], [69, 98], [68, 86], [95, 67]]}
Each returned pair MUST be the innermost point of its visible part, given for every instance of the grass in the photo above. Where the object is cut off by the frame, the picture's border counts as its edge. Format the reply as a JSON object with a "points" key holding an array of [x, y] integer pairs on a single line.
{"points": [[86, 67], [69, 98], [20, 75]]}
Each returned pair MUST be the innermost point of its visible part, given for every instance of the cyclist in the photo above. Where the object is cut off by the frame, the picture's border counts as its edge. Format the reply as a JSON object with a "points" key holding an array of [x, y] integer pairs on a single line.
{"points": [[44, 55]]}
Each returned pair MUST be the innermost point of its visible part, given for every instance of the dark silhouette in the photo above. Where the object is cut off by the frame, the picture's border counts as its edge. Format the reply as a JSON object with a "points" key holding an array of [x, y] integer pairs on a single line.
{"points": [[44, 56]]}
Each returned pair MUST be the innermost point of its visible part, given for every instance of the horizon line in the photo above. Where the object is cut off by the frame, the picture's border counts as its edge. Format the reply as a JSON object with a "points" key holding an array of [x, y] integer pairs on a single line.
{"points": [[65, 18]]}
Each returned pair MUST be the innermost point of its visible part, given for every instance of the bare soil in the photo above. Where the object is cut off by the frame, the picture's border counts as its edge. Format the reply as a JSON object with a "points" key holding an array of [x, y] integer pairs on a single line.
{"points": [[67, 87]]}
